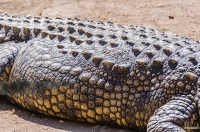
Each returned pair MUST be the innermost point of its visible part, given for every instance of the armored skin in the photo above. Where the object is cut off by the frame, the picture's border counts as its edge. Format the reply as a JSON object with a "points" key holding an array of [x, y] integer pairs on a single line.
{"points": [[104, 73]]}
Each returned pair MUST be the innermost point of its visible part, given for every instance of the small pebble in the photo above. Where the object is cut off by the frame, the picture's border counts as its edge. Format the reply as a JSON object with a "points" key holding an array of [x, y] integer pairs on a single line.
{"points": [[45, 128], [171, 17], [61, 121], [13, 111]]}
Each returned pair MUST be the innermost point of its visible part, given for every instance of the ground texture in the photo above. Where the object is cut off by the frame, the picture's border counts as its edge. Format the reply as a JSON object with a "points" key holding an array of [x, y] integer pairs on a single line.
{"points": [[179, 16]]}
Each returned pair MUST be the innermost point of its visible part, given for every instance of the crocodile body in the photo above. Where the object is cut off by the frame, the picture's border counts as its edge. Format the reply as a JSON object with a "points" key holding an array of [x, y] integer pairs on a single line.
{"points": [[103, 73]]}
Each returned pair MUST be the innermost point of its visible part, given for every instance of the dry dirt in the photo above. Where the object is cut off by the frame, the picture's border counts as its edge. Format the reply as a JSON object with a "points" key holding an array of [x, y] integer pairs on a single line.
{"points": [[179, 16]]}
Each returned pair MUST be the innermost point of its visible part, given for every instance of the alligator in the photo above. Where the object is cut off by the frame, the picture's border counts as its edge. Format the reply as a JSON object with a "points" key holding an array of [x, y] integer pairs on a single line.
{"points": [[129, 76]]}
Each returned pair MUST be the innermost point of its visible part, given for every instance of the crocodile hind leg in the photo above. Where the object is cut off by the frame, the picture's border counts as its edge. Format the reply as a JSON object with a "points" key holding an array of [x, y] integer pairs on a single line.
{"points": [[8, 52], [178, 113]]}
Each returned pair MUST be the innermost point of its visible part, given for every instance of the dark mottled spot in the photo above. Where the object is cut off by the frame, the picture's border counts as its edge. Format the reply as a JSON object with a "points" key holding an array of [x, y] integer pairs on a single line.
{"points": [[99, 35], [113, 45], [78, 42], [168, 52], [81, 24], [36, 31], [102, 42], [191, 49], [141, 62], [7, 28], [109, 22], [36, 21], [77, 19], [2, 39], [44, 34], [59, 18], [74, 53], [100, 22], [193, 60], [81, 32], [150, 54], [59, 46], [72, 39], [61, 29], [61, 38], [97, 60], [47, 21], [107, 64], [172, 63], [130, 43], [87, 54], [16, 31], [52, 36], [26, 21], [101, 28], [136, 51], [89, 41], [63, 51], [157, 46], [26, 31], [113, 36], [51, 27], [124, 38], [71, 30], [145, 43], [165, 40], [155, 38], [70, 23], [1, 26], [157, 62], [88, 34], [143, 36], [91, 26], [177, 44]]}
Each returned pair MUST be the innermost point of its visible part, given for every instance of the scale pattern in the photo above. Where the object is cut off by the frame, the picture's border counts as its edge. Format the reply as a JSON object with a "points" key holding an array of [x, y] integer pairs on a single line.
{"points": [[104, 73]]}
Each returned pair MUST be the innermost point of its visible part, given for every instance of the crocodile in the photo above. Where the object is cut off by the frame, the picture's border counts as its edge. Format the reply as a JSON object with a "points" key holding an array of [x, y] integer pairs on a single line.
{"points": [[129, 76]]}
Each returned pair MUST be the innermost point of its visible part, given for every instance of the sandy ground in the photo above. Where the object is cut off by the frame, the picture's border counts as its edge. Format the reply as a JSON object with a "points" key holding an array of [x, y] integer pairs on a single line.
{"points": [[179, 16]]}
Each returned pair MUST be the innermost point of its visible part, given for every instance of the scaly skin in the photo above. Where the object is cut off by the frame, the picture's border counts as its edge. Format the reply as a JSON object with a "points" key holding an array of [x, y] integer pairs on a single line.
{"points": [[103, 73]]}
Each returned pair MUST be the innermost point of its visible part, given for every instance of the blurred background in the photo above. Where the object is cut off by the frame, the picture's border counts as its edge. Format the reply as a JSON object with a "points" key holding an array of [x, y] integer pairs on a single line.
{"points": [[179, 16]]}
